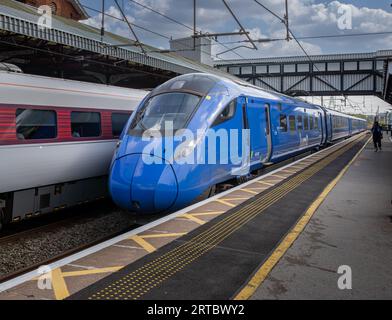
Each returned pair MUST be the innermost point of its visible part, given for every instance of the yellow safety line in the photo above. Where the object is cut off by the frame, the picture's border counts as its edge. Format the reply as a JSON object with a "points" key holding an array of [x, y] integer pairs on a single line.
{"points": [[59, 286], [192, 218], [249, 191], [289, 171], [169, 263], [143, 243], [299, 167], [259, 188], [276, 175], [273, 259], [299, 164], [225, 203], [162, 235], [306, 161], [207, 213], [267, 183], [91, 271]]}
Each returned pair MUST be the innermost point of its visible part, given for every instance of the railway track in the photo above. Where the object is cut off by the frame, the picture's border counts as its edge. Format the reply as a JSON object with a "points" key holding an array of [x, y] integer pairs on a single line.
{"points": [[64, 254], [25, 248]]}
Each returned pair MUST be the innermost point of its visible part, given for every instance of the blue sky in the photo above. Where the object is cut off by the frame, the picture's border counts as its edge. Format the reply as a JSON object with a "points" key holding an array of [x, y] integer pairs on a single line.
{"points": [[307, 18]]}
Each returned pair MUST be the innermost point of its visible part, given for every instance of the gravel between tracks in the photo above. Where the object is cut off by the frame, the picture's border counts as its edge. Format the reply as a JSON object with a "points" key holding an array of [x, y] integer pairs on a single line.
{"points": [[37, 247]]}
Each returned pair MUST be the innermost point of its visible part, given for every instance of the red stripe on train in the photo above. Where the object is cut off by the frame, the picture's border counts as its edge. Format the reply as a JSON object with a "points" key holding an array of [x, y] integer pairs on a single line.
{"points": [[8, 124]]}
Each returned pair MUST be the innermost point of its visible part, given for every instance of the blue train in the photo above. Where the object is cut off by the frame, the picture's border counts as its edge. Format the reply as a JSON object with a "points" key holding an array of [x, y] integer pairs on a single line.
{"points": [[168, 156]]}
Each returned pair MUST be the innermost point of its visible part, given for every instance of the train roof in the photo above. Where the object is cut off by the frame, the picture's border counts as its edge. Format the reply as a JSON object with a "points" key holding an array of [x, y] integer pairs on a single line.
{"points": [[32, 90], [255, 91], [338, 113]]}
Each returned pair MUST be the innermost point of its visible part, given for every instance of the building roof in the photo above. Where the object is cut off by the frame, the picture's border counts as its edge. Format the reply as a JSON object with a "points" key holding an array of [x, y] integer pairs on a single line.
{"points": [[79, 8], [22, 19], [326, 57]]}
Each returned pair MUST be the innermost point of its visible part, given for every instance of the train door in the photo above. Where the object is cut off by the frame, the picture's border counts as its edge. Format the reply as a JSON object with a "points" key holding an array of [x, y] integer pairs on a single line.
{"points": [[280, 135], [258, 120], [231, 150], [321, 128]]}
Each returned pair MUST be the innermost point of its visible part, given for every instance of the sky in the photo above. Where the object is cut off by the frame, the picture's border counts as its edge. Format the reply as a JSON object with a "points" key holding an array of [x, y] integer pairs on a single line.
{"points": [[306, 18]]}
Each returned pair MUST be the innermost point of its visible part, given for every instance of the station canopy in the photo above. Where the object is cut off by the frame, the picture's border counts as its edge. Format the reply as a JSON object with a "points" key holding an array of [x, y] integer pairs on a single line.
{"points": [[75, 50]]}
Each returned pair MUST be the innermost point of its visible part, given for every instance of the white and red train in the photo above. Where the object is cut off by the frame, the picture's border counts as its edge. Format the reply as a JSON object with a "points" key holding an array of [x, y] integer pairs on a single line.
{"points": [[57, 138]]}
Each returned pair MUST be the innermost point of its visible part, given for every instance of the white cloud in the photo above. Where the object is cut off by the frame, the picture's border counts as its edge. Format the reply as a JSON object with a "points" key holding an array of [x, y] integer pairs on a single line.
{"points": [[306, 18]]}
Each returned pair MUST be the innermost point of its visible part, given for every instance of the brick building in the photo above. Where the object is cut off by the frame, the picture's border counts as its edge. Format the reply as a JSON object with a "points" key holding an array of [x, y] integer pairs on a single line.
{"points": [[70, 9]]}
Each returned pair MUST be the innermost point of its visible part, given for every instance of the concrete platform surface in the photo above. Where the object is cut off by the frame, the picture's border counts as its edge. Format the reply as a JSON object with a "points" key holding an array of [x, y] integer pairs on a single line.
{"points": [[352, 227]]}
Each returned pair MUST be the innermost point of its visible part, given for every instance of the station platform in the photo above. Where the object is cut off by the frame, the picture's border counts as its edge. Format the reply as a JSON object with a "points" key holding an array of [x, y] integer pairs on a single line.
{"points": [[352, 227], [247, 242]]}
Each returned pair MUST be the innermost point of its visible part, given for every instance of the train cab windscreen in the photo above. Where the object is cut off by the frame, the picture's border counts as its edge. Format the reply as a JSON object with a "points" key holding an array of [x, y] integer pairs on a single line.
{"points": [[174, 107]]}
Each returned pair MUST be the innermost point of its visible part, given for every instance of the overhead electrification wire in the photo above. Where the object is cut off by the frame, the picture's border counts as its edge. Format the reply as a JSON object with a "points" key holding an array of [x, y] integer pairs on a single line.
{"points": [[161, 14], [155, 33], [345, 35], [314, 37], [134, 24], [180, 23], [239, 24], [295, 39], [147, 30]]}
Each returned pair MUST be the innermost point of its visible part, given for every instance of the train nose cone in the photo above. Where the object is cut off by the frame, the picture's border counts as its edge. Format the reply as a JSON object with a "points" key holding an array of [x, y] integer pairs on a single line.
{"points": [[146, 188], [120, 180]]}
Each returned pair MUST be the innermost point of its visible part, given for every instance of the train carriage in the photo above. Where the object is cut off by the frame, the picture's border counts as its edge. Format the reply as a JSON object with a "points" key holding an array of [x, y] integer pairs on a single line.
{"points": [[269, 128], [57, 138]]}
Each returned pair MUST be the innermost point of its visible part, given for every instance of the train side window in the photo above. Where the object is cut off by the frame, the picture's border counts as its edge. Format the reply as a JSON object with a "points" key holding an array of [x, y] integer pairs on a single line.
{"points": [[36, 124], [311, 122], [283, 122], [119, 120], [85, 124], [226, 114], [306, 122], [292, 123], [299, 123]]}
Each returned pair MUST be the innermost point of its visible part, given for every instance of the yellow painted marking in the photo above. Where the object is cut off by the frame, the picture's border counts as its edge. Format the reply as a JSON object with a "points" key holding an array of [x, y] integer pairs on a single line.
{"points": [[162, 235], [290, 171], [143, 243], [225, 203], [276, 175], [207, 213], [249, 191], [298, 165], [91, 271], [236, 198], [192, 218], [308, 162], [259, 188], [59, 286], [183, 255], [286, 243], [267, 183]]}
